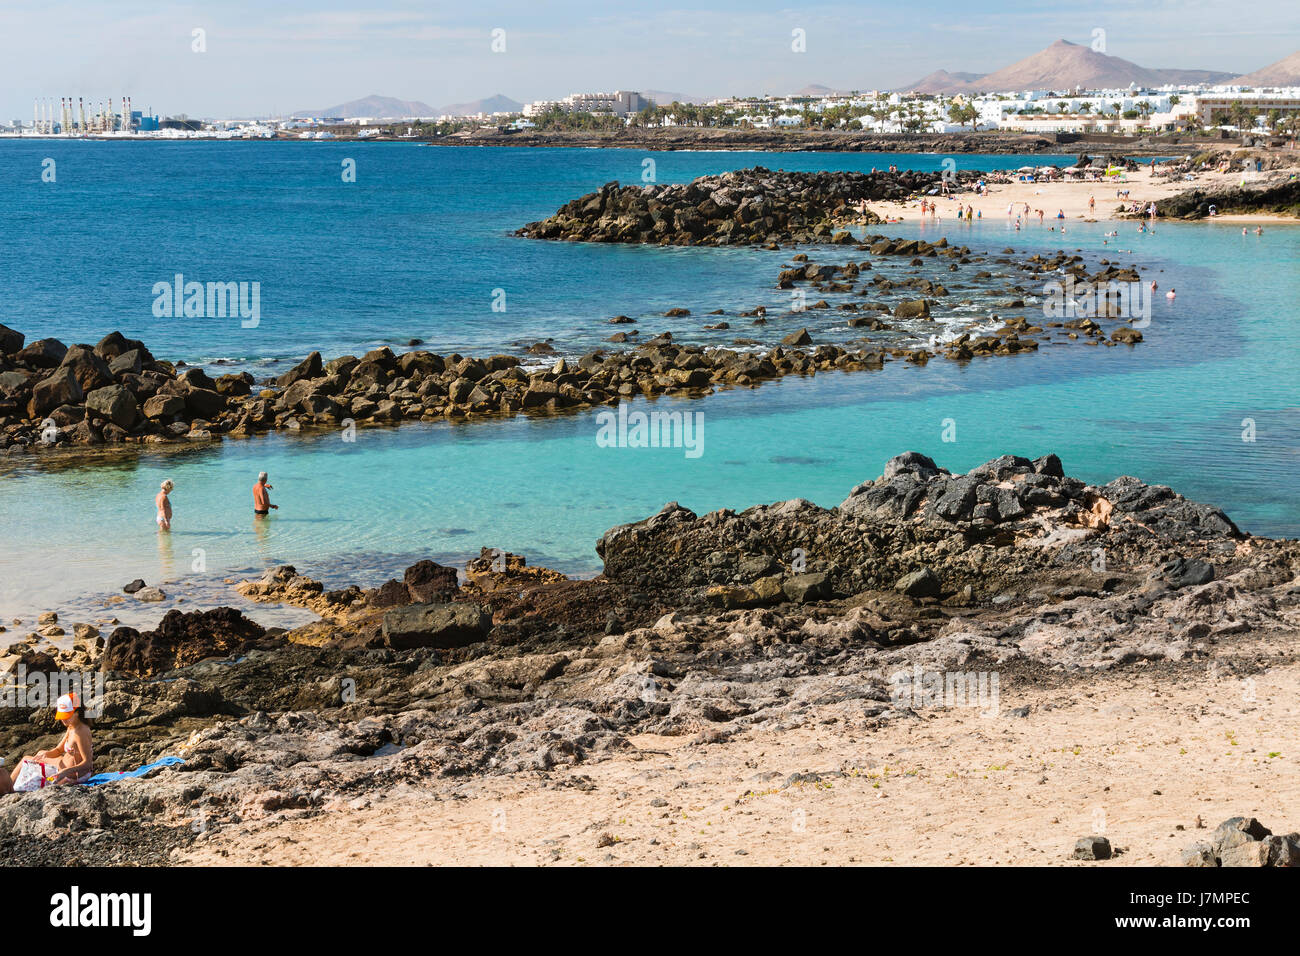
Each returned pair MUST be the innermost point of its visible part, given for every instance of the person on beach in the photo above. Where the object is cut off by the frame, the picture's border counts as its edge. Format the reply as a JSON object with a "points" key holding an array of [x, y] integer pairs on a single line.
{"points": [[164, 504], [1092, 204], [261, 500], [71, 760]]}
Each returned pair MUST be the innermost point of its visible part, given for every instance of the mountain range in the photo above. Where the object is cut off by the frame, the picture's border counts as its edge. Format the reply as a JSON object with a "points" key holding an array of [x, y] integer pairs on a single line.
{"points": [[387, 107], [1063, 66]]}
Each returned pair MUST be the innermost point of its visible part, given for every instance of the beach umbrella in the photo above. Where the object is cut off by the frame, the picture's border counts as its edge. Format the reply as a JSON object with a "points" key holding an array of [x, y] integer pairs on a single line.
{"points": [[1025, 169]]}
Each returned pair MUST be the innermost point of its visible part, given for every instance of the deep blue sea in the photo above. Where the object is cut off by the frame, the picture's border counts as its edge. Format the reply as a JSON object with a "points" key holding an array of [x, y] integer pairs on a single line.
{"points": [[419, 246]]}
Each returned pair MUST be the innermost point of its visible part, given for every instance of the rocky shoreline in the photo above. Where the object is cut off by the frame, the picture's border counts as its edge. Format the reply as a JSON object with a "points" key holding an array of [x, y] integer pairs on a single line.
{"points": [[54, 396], [745, 207], [696, 138], [707, 628], [1274, 199]]}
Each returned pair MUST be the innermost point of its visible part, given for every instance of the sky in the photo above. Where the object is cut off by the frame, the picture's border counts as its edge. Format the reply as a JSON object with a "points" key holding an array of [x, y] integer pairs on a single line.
{"points": [[269, 57]]}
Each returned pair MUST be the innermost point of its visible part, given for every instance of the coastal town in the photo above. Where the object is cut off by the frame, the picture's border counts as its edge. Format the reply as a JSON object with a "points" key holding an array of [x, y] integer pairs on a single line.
{"points": [[1264, 104]]}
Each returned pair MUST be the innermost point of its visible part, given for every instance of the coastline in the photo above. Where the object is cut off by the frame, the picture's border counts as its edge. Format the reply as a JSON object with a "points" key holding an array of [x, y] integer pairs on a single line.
{"points": [[691, 139], [510, 688]]}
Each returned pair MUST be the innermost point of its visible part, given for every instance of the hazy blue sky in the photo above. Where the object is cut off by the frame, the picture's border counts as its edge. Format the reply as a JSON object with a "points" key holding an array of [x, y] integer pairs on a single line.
{"points": [[282, 55]]}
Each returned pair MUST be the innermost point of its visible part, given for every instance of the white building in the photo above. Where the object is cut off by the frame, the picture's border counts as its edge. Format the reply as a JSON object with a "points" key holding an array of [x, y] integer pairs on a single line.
{"points": [[618, 103]]}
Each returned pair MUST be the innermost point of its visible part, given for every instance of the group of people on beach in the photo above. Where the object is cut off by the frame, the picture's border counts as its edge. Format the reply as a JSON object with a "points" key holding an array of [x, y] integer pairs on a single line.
{"points": [[261, 501]]}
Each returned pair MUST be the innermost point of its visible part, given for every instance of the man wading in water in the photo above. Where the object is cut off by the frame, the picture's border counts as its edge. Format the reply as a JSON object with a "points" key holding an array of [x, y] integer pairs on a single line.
{"points": [[261, 500]]}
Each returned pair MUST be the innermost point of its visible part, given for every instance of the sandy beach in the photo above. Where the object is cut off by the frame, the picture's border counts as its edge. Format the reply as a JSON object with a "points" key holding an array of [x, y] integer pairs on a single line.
{"points": [[1146, 759], [1072, 199]]}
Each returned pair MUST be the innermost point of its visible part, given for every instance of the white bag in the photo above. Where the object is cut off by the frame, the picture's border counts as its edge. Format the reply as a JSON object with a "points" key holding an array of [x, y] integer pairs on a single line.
{"points": [[31, 776]]}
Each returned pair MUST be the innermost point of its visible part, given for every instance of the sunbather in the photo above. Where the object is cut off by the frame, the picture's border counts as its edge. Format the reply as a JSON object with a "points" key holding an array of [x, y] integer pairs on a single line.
{"points": [[71, 760]]}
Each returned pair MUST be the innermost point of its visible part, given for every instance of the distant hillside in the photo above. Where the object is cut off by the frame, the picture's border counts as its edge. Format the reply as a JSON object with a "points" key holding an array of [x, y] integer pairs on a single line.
{"points": [[1063, 66], [1285, 72], [491, 104], [380, 107]]}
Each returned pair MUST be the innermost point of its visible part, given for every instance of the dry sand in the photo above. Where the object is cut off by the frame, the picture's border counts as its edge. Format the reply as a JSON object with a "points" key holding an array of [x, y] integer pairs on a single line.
{"points": [[1133, 756], [1070, 198]]}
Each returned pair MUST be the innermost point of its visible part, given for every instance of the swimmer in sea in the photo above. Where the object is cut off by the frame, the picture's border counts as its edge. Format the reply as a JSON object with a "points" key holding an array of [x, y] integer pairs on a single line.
{"points": [[1170, 295]]}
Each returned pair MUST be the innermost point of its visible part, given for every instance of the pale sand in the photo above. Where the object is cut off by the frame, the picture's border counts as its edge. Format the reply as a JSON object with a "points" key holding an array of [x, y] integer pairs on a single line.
{"points": [[1132, 756], [1072, 199]]}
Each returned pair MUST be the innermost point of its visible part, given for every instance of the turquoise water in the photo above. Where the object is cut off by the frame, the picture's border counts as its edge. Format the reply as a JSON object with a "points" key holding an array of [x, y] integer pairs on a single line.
{"points": [[1170, 410]]}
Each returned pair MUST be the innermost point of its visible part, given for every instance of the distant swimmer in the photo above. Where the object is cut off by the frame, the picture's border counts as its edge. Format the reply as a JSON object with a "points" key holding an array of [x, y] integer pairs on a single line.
{"points": [[1153, 286], [1259, 230], [1170, 295], [164, 504], [261, 500]]}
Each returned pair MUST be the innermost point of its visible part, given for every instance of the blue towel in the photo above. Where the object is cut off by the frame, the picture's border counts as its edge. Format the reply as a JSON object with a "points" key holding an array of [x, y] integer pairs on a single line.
{"points": [[137, 772]]}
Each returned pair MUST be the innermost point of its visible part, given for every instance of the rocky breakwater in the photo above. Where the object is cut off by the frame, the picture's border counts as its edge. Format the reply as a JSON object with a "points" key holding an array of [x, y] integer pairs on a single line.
{"points": [[1278, 197], [918, 297], [701, 627], [114, 391], [48, 407], [748, 206]]}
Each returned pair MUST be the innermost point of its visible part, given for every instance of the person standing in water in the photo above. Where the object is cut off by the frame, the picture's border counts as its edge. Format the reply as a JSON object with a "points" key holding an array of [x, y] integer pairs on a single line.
{"points": [[261, 500], [164, 504]]}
